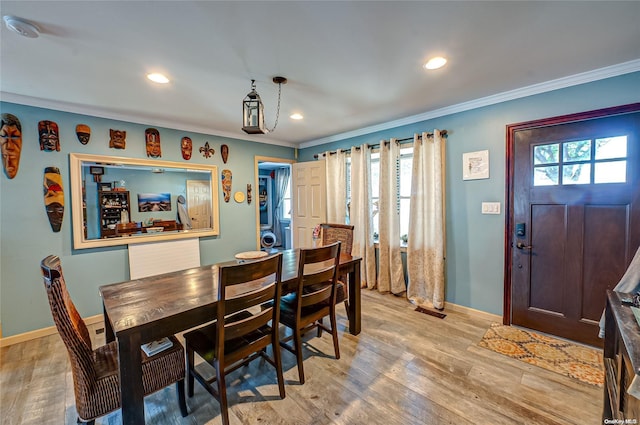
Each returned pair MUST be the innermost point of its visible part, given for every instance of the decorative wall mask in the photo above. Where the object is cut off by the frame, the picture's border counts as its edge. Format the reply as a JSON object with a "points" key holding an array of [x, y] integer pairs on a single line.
{"points": [[152, 139], [10, 143], [206, 151], [53, 197], [118, 139], [224, 150], [226, 184], [249, 193], [83, 132], [186, 147], [49, 136]]}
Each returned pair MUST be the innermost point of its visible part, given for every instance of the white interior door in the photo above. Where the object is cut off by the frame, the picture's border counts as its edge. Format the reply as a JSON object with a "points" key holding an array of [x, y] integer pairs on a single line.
{"points": [[309, 202], [199, 203]]}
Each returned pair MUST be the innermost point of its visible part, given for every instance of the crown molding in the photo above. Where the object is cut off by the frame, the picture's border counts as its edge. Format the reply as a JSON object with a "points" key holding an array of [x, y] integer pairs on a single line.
{"points": [[560, 83], [133, 118]]}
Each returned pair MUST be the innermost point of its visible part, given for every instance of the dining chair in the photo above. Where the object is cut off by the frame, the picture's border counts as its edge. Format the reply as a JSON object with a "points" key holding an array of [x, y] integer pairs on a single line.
{"points": [[96, 380], [333, 232], [314, 299], [238, 336]]}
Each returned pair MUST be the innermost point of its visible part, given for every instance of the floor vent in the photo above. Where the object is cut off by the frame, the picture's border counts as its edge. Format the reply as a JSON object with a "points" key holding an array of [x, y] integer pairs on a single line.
{"points": [[431, 312]]}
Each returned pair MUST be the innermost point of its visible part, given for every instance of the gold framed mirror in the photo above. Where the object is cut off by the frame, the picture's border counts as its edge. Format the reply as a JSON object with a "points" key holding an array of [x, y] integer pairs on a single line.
{"points": [[121, 201]]}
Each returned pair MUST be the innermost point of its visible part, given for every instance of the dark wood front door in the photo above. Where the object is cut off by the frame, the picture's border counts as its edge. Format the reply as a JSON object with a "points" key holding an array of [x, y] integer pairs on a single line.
{"points": [[574, 218]]}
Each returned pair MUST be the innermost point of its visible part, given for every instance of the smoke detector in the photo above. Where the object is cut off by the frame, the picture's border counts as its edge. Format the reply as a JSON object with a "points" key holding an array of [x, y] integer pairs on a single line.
{"points": [[22, 27]]}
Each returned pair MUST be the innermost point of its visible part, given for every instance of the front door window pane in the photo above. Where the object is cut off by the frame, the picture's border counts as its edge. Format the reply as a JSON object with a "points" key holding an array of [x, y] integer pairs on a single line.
{"points": [[611, 172], [546, 154], [545, 176], [576, 174], [576, 151], [611, 147]]}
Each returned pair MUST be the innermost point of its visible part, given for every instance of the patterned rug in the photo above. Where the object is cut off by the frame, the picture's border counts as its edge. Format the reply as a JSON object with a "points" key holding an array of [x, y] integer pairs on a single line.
{"points": [[576, 361]]}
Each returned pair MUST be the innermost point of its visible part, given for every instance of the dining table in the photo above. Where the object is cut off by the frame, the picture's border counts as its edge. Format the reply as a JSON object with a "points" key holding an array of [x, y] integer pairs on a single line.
{"points": [[143, 310]]}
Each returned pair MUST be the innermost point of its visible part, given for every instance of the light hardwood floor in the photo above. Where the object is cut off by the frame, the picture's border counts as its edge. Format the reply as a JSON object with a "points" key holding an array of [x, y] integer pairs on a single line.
{"points": [[404, 368]]}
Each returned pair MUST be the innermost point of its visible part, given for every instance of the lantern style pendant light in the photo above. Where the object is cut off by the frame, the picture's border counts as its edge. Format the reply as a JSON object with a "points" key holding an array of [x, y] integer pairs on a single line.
{"points": [[253, 109]]}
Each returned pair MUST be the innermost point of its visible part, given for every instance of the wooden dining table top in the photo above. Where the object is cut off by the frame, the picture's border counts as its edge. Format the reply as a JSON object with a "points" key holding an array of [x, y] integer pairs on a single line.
{"points": [[139, 305]]}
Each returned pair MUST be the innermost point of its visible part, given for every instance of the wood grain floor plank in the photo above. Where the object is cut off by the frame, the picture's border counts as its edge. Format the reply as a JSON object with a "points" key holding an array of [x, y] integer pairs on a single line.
{"points": [[404, 368]]}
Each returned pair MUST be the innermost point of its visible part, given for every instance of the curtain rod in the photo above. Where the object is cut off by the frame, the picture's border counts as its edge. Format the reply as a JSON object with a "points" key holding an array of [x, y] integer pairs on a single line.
{"points": [[443, 133]]}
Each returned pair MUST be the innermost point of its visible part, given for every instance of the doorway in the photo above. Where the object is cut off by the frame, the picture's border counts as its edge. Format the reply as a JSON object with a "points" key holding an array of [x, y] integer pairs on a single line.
{"points": [[272, 197], [573, 219]]}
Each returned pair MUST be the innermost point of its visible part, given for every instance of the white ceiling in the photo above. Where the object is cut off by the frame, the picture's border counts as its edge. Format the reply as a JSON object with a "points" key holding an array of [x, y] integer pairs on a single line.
{"points": [[350, 65]]}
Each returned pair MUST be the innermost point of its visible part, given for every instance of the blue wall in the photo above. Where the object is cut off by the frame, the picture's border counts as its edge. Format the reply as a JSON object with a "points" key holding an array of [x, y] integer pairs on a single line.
{"points": [[475, 253], [474, 241], [26, 236]]}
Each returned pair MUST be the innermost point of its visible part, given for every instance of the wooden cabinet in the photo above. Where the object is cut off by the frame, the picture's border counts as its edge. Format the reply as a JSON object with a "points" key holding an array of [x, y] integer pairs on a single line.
{"points": [[114, 206], [621, 363]]}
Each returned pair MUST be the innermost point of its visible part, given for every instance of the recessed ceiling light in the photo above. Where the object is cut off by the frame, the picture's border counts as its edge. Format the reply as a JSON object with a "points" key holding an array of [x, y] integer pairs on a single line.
{"points": [[158, 78], [435, 63], [21, 26], [296, 116]]}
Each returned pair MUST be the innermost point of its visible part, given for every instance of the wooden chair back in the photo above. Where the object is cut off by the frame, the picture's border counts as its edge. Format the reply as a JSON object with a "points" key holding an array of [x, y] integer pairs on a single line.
{"points": [[317, 270], [248, 299], [333, 232], [242, 287]]}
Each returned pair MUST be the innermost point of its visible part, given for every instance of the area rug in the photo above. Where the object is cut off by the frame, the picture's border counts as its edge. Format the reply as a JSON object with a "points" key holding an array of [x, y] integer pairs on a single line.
{"points": [[576, 361]]}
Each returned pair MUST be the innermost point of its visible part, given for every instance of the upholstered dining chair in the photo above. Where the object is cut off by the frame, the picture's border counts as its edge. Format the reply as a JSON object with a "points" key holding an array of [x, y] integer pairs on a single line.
{"points": [[314, 299], [333, 232], [239, 335], [96, 380]]}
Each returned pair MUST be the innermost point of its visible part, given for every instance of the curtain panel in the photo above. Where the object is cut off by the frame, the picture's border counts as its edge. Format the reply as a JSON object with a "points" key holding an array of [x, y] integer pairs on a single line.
{"points": [[361, 214], [336, 166], [390, 272], [426, 244]]}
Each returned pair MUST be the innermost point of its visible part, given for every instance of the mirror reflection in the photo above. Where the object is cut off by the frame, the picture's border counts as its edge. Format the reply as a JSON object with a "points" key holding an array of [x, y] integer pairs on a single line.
{"points": [[125, 200]]}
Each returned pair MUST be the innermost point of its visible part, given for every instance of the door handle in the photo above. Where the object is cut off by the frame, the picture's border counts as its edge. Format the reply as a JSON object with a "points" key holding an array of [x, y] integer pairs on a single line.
{"points": [[520, 245]]}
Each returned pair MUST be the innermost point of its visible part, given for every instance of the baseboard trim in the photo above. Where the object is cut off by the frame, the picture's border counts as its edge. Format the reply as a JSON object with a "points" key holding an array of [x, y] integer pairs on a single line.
{"points": [[468, 310], [39, 333]]}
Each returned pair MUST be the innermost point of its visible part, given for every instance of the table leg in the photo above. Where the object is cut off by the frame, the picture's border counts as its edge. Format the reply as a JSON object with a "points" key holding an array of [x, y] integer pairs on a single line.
{"points": [[108, 329], [354, 300], [131, 390]]}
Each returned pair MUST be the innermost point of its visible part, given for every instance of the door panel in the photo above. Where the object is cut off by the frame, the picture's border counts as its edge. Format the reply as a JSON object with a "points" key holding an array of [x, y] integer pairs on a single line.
{"points": [[549, 256], [309, 204], [199, 203], [580, 231]]}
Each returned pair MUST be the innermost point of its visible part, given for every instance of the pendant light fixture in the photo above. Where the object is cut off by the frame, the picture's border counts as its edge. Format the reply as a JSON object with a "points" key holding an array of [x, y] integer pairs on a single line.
{"points": [[253, 109]]}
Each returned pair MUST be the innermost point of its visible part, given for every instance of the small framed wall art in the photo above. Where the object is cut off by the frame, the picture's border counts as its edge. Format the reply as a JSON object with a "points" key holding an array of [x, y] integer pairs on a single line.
{"points": [[475, 165]]}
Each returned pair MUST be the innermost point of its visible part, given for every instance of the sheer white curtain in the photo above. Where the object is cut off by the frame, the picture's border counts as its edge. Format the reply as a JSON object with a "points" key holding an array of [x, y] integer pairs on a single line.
{"points": [[361, 213], [390, 272], [425, 247], [336, 166]]}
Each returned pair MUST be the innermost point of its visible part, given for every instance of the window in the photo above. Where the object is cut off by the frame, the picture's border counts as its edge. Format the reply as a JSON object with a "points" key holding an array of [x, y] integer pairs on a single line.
{"points": [[404, 181], [286, 203], [592, 161]]}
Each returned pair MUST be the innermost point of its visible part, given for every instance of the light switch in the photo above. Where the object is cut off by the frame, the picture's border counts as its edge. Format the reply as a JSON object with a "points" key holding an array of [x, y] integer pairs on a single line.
{"points": [[491, 208]]}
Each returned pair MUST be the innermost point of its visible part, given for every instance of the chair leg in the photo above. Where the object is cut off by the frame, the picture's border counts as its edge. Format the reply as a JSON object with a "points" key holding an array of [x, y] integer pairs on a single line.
{"points": [[334, 333], [91, 422], [320, 327], [222, 392], [277, 359], [190, 368], [181, 399], [297, 340]]}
